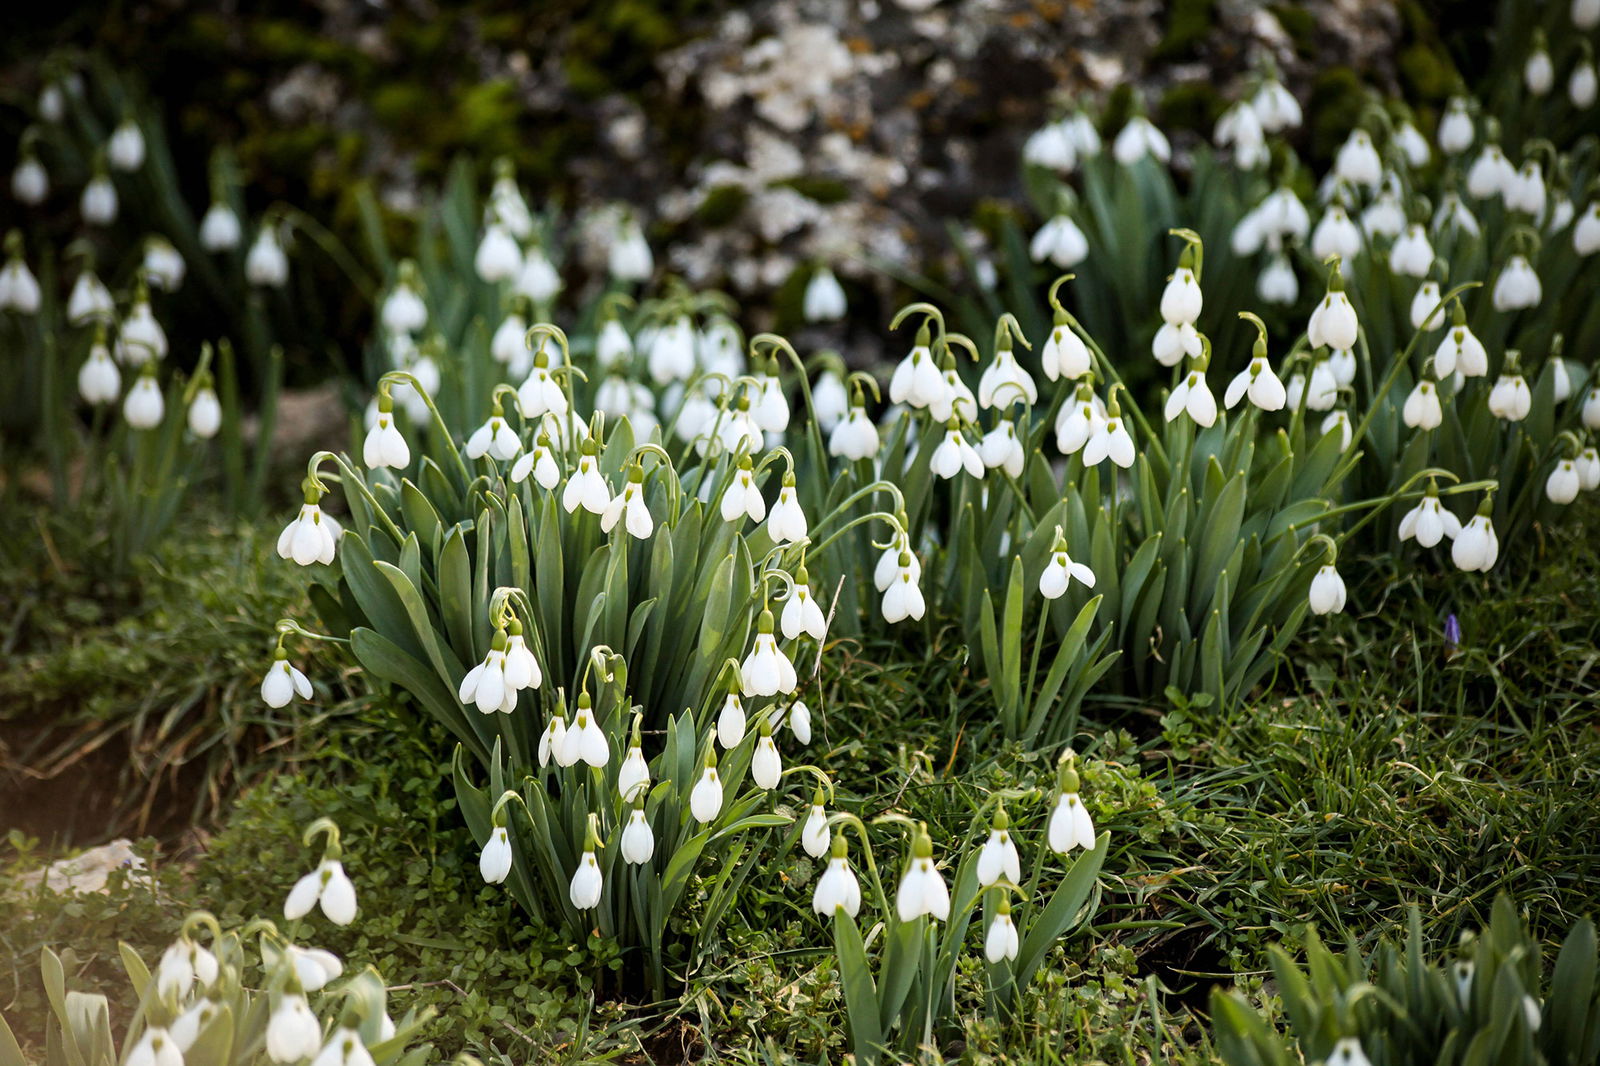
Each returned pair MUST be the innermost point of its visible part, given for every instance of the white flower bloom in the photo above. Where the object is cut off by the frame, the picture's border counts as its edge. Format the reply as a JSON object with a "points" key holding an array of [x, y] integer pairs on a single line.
{"points": [[484, 686], [1591, 409], [385, 446], [1061, 242], [1064, 355], [1059, 572], [902, 598], [1070, 825], [766, 765], [1455, 128], [787, 522], [498, 257], [185, 1030], [633, 776], [802, 614], [1051, 147], [1181, 300], [99, 381], [1241, 128], [814, 834], [998, 858], [293, 1032], [327, 886], [1491, 174], [266, 264], [220, 230], [403, 310], [1192, 397], [800, 714], [1423, 305], [1511, 398], [1333, 323], [1384, 217], [163, 264], [1517, 287], [629, 258], [98, 204], [1588, 466], [1413, 145], [1004, 381], [1001, 942], [671, 354], [1538, 74], [1110, 440], [1460, 352], [141, 337], [1336, 234], [1476, 546], [19, 289], [125, 149], [731, 721], [1563, 483], [1140, 138], [837, 888], [1422, 409], [312, 537], [587, 488], [629, 503], [552, 740], [612, 345], [1357, 161], [1323, 392], [1586, 234], [1259, 383], [954, 454], [89, 300], [1429, 522], [494, 438], [344, 1048], [705, 799], [1411, 255], [1338, 420], [766, 671], [824, 298], [1453, 214], [542, 465], [922, 891], [742, 498], [1001, 449], [1526, 191], [282, 682], [585, 741], [495, 862], [638, 839], [586, 883], [1585, 14], [1275, 106], [829, 400], [1561, 379], [30, 182], [956, 401], [1347, 1052], [1327, 591], [144, 405], [855, 438], [917, 379], [1277, 282], [537, 279]]}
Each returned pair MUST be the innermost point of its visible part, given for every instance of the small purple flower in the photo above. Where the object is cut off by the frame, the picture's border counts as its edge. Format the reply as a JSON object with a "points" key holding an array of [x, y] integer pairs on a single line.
{"points": [[1452, 632]]}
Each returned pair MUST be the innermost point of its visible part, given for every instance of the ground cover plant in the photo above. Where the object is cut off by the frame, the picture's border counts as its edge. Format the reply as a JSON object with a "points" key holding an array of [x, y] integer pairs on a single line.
{"points": [[672, 688]]}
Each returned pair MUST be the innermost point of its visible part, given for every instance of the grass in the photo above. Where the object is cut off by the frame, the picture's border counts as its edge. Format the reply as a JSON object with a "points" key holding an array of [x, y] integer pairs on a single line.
{"points": [[1384, 769]]}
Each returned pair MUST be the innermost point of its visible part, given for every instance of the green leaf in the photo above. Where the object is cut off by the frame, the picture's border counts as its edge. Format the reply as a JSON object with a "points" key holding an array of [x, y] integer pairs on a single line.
{"points": [[860, 994]]}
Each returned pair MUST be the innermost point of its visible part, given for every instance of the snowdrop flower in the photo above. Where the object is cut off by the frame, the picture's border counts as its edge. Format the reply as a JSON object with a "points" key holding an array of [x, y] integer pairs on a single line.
{"points": [[498, 258], [1001, 941], [824, 298], [344, 1048], [144, 405], [327, 886], [485, 684], [902, 598], [1588, 466], [629, 504], [1193, 397], [1342, 365], [1109, 439], [537, 279], [1491, 174], [1422, 409], [266, 264], [770, 410], [1357, 161], [1511, 398], [1336, 235], [1429, 521], [1460, 351], [1526, 191], [1283, 214], [1591, 409], [220, 230], [855, 438], [1258, 382], [98, 204], [1517, 287], [1070, 825], [1181, 300], [521, 668], [553, 739], [629, 257], [954, 454], [998, 857], [917, 379], [838, 887], [141, 336], [1538, 73], [922, 891], [1173, 342], [1322, 392], [30, 183], [1340, 421], [403, 310], [802, 614], [1060, 570], [633, 776], [1585, 14], [1411, 255], [584, 891], [99, 381], [1581, 83], [1453, 214], [814, 834], [19, 289], [385, 446], [1423, 305], [312, 536], [1455, 128], [731, 721], [1347, 1052], [1001, 449], [705, 799], [587, 488], [53, 97], [1586, 234], [612, 346], [1333, 322], [957, 400], [205, 412], [1563, 483], [800, 715], [766, 765], [1277, 283], [495, 863], [1061, 242], [1327, 590], [506, 202], [125, 149], [1561, 213], [163, 265], [638, 838], [1241, 128], [1005, 381], [293, 1032], [585, 741], [766, 671], [829, 400], [671, 352], [1384, 217], [494, 438], [1064, 356], [182, 963], [540, 394], [1413, 145], [1050, 147], [1476, 547], [1140, 138], [185, 1031], [1275, 107], [540, 463], [742, 498]]}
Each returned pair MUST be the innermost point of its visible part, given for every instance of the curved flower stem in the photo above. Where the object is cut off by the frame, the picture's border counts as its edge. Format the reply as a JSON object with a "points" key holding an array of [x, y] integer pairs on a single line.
{"points": [[287, 626], [406, 377], [348, 477], [329, 829], [893, 521]]}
